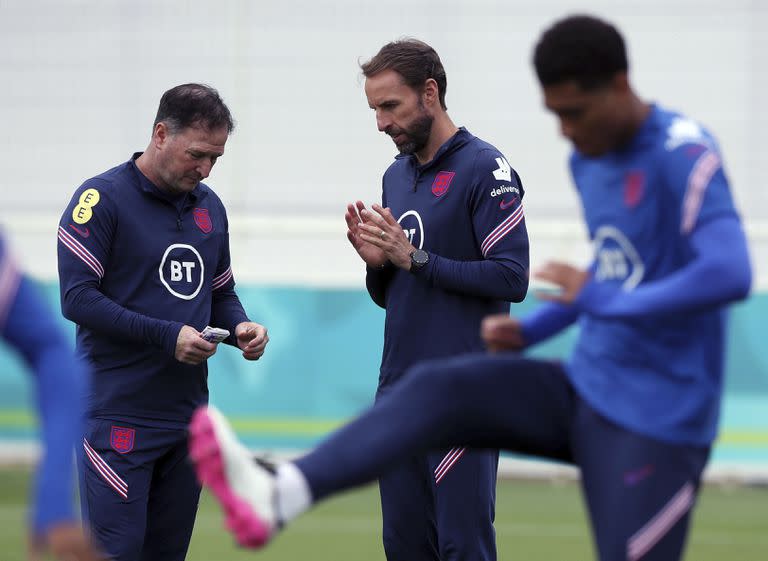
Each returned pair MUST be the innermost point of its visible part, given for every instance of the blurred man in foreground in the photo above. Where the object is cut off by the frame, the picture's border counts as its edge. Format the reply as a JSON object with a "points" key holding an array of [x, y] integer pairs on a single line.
{"points": [[636, 405], [29, 327]]}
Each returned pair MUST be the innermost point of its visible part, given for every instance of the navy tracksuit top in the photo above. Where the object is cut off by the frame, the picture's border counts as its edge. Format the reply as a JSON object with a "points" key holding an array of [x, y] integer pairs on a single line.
{"points": [[134, 267], [464, 208]]}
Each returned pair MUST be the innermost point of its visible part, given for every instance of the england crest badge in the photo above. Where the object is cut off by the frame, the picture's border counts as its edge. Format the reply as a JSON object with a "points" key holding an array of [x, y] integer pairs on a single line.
{"points": [[121, 439]]}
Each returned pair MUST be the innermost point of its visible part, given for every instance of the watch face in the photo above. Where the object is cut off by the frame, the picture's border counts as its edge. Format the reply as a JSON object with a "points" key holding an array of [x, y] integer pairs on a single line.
{"points": [[420, 257]]}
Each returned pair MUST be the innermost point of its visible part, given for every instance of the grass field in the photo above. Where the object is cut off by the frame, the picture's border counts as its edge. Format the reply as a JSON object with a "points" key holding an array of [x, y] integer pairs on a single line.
{"points": [[534, 522]]}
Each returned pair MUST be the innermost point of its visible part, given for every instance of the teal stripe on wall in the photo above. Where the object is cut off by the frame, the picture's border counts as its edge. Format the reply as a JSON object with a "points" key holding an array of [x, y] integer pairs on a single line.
{"points": [[321, 367]]}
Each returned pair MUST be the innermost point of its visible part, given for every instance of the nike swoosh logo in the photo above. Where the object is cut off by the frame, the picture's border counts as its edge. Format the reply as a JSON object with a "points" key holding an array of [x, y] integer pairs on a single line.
{"points": [[635, 476], [505, 205], [85, 233]]}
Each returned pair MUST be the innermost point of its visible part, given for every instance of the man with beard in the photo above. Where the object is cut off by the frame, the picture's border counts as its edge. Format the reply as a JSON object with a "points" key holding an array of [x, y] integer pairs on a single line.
{"points": [[447, 246]]}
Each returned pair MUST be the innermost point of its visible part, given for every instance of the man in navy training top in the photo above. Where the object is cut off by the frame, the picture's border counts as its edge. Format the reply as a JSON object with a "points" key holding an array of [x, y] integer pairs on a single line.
{"points": [[144, 266], [636, 404], [61, 382], [447, 246]]}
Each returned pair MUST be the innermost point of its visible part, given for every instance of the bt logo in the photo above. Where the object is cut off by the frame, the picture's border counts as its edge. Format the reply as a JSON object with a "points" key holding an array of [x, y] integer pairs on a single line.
{"points": [[617, 259], [182, 271], [413, 227], [176, 270]]}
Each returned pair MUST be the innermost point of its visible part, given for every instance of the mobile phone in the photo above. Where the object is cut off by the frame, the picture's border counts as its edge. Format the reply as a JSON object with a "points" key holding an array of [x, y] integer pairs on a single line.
{"points": [[214, 334]]}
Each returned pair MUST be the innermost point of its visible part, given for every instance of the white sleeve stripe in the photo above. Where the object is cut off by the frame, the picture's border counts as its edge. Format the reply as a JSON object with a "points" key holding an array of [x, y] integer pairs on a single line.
{"points": [[9, 286], [502, 230], [80, 251], [698, 181], [445, 459], [106, 472], [224, 274], [650, 534], [447, 463], [508, 227], [222, 279]]}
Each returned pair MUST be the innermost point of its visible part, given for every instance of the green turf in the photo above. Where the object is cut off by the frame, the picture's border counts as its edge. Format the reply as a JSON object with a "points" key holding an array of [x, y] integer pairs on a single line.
{"points": [[535, 521]]}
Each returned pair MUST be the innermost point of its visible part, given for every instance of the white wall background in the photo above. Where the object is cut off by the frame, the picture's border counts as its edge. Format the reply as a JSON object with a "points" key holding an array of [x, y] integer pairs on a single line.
{"points": [[80, 82]]}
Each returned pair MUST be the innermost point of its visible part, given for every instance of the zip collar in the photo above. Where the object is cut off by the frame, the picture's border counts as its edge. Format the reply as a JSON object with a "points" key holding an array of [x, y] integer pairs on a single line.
{"points": [[144, 184], [462, 137]]}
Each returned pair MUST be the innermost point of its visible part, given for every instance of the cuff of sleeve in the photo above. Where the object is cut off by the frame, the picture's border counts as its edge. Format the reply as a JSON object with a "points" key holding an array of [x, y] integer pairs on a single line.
{"points": [[171, 337], [232, 339], [528, 334], [427, 270], [532, 332]]}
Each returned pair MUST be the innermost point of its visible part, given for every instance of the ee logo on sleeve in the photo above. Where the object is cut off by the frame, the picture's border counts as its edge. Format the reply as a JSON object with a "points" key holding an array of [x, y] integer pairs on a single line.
{"points": [[83, 212]]}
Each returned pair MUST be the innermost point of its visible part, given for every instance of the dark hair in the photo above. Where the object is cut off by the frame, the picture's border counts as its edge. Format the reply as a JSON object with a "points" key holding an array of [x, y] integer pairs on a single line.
{"points": [[414, 60], [190, 105], [581, 48]]}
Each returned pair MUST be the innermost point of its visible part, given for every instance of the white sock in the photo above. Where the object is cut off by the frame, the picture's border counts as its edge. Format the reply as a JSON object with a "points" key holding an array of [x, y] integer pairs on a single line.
{"points": [[293, 494]]}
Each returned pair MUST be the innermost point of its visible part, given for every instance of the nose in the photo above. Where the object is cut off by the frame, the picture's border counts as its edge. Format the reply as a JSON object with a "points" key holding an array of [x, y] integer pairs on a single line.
{"points": [[204, 167], [566, 129], [383, 122]]}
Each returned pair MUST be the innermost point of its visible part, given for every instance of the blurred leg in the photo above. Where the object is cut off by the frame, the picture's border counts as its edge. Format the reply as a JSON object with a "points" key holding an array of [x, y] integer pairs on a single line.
{"points": [[480, 401], [640, 492], [483, 401]]}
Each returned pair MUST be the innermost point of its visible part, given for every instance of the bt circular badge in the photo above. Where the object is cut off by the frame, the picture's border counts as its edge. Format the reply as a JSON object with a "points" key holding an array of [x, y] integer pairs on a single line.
{"points": [[413, 227], [182, 271]]}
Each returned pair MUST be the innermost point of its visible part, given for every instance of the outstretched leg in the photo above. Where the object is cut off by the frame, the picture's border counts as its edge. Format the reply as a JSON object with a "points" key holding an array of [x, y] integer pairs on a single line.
{"points": [[480, 401]]}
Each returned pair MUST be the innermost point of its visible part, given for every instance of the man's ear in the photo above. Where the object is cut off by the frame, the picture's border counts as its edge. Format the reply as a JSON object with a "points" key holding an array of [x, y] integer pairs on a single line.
{"points": [[430, 94], [160, 134], [620, 83]]}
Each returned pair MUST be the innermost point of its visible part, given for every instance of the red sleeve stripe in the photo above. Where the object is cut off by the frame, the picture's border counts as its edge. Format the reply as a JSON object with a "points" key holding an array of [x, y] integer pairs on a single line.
{"points": [[9, 285], [502, 230], [222, 279], [80, 251], [106, 472], [448, 462], [698, 181]]}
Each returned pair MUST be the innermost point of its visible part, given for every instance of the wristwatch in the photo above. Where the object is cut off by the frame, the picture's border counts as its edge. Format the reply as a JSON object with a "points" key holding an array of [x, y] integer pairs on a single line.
{"points": [[419, 260]]}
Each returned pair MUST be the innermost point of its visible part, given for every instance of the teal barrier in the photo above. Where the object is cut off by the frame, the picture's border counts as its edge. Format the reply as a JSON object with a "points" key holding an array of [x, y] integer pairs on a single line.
{"points": [[321, 367]]}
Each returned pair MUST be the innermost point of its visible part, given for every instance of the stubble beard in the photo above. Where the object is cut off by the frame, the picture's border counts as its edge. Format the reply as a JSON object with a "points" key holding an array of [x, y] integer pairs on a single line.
{"points": [[418, 135]]}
